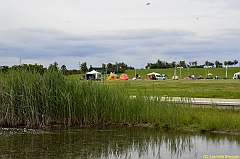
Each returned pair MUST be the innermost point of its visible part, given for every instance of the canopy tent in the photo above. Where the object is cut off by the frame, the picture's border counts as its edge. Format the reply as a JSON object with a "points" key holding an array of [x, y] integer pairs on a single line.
{"points": [[153, 73], [93, 75], [154, 76], [209, 76], [93, 72]]}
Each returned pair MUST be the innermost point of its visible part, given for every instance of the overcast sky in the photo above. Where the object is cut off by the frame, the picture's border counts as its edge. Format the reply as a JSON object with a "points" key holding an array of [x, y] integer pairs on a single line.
{"points": [[109, 31]]}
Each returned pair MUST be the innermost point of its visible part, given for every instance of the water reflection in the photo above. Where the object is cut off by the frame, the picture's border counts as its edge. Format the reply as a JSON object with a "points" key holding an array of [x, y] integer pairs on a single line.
{"points": [[114, 142]]}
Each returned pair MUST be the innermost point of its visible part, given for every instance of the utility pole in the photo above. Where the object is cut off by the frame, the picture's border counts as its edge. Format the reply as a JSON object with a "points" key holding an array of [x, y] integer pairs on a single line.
{"points": [[79, 64], [226, 71], [180, 72], [20, 61]]}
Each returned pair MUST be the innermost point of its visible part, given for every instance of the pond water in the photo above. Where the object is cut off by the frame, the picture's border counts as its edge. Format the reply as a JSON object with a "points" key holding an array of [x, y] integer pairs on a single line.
{"points": [[115, 142]]}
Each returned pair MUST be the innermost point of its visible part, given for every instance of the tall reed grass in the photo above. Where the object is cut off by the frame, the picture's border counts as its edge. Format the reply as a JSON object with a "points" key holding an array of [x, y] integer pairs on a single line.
{"points": [[35, 100]]}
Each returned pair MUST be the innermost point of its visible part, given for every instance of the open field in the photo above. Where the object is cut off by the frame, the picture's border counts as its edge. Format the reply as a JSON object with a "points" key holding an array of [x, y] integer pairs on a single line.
{"points": [[181, 88], [185, 72], [34, 100], [229, 88], [221, 88], [221, 72]]}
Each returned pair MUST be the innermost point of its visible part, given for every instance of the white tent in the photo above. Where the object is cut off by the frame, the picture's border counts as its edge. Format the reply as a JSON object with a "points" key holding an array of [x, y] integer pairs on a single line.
{"points": [[156, 76], [153, 73], [93, 74]]}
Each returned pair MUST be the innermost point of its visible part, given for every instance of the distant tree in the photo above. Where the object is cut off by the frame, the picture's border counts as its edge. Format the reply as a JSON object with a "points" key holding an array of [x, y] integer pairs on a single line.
{"points": [[29, 67], [159, 64], [64, 69], [115, 67], [110, 68], [235, 62], [230, 62], [168, 65], [220, 64], [53, 66], [148, 66], [90, 68], [173, 64], [207, 63], [103, 67], [83, 67], [217, 63], [194, 63], [4, 69], [122, 67], [211, 64], [72, 72], [225, 63], [182, 63]]}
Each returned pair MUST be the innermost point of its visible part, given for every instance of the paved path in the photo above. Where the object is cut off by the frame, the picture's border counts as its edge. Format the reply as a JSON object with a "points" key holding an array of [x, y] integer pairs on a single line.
{"points": [[204, 101], [209, 101]]}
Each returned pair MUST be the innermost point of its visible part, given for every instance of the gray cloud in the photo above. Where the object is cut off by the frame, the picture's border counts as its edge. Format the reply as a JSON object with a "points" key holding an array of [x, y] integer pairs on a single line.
{"points": [[134, 47]]}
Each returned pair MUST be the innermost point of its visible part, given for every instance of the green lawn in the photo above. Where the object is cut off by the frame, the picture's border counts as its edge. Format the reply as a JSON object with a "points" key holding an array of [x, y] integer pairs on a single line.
{"points": [[181, 88], [184, 72], [222, 88]]}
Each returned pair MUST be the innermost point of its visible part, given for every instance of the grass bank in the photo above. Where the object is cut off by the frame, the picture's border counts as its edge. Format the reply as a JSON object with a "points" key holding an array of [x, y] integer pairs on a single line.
{"points": [[34, 100]]}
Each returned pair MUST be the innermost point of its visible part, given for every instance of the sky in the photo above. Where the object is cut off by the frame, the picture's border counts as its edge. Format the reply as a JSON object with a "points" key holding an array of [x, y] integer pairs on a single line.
{"points": [[71, 32]]}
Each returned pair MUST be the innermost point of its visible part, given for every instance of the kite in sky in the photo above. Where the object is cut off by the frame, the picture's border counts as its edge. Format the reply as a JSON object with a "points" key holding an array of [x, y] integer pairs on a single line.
{"points": [[148, 3]]}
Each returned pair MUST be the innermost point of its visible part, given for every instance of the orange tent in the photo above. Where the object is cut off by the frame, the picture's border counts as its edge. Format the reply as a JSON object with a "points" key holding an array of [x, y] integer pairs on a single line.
{"points": [[124, 77]]}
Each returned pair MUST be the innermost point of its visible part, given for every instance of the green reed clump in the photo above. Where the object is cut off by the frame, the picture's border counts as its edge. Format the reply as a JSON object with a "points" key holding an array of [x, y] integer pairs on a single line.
{"points": [[31, 99], [35, 100]]}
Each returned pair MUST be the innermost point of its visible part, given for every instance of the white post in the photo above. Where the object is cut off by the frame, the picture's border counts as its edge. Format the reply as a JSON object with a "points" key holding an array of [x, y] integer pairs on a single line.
{"points": [[175, 71], [180, 72], [226, 71]]}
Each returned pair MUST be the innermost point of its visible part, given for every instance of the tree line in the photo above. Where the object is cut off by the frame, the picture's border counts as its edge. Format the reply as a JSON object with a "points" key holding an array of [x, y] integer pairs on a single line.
{"points": [[116, 67], [35, 68], [184, 64], [106, 68]]}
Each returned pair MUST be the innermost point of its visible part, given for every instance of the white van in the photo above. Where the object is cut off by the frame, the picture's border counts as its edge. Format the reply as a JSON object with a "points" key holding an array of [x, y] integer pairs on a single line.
{"points": [[236, 75]]}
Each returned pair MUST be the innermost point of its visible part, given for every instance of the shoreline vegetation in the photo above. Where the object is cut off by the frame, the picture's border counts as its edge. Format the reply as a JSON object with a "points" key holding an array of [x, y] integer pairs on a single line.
{"points": [[36, 100]]}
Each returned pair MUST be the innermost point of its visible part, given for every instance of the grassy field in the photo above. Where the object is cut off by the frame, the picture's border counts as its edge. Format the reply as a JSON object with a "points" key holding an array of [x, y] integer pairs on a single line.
{"points": [[221, 72], [34, 100], [185, 72], [181, 88], [221, 88]]}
